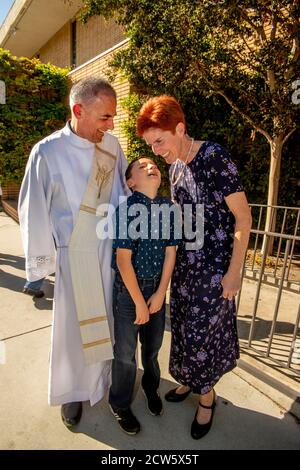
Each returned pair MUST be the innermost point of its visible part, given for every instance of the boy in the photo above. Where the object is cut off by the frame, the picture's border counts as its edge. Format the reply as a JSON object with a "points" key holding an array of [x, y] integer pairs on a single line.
{"points": [[143, 262]]}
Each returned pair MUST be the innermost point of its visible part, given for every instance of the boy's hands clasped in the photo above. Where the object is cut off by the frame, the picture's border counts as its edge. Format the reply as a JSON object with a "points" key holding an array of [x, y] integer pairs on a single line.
{"points": [[143, 310], [142, 314], [155, 302]]}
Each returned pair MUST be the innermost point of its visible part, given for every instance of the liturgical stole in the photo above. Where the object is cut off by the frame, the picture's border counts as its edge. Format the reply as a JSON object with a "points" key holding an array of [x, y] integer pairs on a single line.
{"points": [[85, 264]]}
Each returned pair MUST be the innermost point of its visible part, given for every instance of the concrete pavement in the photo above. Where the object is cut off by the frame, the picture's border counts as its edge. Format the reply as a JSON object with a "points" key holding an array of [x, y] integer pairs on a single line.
{"points": [[246, 417]]}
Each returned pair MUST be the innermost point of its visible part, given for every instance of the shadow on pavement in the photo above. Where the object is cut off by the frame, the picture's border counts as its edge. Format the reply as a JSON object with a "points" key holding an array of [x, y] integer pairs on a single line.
{"points": [[233, 427], [16, 284], [262, 327]]}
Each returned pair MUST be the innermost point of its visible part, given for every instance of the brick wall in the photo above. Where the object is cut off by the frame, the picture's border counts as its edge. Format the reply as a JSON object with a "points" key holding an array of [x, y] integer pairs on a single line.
{"points": [[57, 50], [92, 38], [96, 36], [99, 67], [10, 190]]}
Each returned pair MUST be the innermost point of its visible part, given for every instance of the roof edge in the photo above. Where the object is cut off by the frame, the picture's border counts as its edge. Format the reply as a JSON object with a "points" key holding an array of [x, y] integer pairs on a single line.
{"points": [[13, 17]]}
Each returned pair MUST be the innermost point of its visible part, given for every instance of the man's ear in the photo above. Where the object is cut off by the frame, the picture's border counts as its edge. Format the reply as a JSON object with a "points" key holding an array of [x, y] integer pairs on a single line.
{"points": [[180, 129], [77, 110]]}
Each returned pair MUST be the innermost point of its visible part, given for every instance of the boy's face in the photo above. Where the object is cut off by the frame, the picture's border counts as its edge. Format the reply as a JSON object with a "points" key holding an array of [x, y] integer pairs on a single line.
{"points": [[144, 174]]}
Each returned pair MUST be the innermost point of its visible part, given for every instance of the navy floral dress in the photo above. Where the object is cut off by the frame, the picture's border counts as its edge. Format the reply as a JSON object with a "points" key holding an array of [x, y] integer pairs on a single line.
{"points": [[204, 343]]}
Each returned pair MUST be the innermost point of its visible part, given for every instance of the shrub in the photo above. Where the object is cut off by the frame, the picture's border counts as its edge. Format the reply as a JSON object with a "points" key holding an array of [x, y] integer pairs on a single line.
{"points": [[35, 107]]}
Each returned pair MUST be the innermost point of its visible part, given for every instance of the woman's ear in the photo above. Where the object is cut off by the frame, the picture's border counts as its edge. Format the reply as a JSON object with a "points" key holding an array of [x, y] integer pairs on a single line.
{"points": [[180, 129]]}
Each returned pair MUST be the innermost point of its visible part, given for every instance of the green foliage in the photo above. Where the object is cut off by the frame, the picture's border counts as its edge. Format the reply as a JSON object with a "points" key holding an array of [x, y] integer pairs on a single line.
{"points": [[213, 46], [34, 108], [211, 55], [212, 119]]}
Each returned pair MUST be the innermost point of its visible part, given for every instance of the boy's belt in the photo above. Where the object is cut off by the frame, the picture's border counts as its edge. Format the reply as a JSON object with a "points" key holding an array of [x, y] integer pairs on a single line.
{"points": [[142, 280]]}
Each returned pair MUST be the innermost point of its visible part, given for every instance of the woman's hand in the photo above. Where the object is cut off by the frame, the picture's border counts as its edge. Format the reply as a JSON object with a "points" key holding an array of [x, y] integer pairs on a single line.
{"points": [[231, 284]]}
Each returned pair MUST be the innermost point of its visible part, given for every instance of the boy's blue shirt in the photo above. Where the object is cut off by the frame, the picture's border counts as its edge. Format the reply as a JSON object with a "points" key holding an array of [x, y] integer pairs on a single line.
{"points": [[148, 254]]}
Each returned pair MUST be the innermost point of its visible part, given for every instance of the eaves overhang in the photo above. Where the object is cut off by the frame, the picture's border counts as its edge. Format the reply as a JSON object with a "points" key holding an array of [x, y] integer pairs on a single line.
{"points": [[30, 24]]}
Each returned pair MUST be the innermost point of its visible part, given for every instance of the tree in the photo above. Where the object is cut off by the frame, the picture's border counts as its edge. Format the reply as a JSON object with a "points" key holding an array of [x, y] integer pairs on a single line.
{"points": [[34, 107], [244, 51]]}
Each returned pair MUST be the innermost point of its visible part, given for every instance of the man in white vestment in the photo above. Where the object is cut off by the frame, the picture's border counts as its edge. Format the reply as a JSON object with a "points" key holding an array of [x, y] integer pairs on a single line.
{"points": [[54, 199]]}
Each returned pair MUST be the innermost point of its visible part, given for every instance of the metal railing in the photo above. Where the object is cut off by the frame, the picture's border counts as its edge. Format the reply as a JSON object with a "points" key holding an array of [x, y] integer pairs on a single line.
{"points": [[280, 344], [286, 222]]}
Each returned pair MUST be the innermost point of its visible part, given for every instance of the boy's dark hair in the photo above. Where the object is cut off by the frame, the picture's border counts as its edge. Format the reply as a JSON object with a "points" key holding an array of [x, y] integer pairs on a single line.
{"points": [[129, 168]]}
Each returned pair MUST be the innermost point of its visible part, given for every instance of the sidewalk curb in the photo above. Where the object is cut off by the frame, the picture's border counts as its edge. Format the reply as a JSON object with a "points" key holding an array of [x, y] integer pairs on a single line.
{"points": [[285, 397]]}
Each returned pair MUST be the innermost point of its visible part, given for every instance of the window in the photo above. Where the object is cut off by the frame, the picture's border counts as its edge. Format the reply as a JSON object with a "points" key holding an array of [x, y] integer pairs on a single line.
{"points": [[73, 43]]}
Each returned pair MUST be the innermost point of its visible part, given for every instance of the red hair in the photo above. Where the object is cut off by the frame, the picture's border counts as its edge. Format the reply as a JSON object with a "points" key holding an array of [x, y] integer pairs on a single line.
{"points": [[162, 112]]}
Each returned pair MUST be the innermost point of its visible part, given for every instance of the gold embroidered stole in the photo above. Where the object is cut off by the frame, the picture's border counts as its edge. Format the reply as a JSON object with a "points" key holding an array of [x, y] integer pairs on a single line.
{"points": [[85, 264]]}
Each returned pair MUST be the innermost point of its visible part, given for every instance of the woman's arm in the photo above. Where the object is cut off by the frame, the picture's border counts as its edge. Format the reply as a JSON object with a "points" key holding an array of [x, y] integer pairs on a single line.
{"points": [[238, 205]]}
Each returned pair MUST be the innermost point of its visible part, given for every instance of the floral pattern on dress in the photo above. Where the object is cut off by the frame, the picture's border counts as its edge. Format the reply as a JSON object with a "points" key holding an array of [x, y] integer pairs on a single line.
{"points": [[204, 342]]}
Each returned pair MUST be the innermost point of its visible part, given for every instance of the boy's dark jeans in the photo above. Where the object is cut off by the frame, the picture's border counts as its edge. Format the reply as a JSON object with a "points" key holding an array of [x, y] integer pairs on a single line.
{"points": [[126, 334]]}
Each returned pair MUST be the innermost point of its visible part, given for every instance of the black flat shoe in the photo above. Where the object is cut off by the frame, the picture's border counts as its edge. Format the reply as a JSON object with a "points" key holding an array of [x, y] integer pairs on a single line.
{"points": [[71, 413], [174, 397], [200, 430]]}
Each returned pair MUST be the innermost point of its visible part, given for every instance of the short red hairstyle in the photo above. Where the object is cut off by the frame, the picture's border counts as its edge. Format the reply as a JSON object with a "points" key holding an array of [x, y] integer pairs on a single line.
{"points": [[162, 112]]}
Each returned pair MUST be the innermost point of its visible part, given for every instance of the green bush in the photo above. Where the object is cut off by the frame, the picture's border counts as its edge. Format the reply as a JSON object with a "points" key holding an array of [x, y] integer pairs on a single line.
{"points": [[35, 107]]}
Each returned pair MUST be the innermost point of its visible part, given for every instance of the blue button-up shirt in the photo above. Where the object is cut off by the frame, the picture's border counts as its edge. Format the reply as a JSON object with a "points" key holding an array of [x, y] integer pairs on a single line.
{"points": [[142, 228]]}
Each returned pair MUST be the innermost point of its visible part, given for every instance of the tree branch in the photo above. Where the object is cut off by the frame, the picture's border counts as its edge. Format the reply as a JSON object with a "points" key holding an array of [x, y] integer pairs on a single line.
{"points": [[232, 104], [273, 27], [295, 49], [262, 35], [295, 56], [288, 135], [259, 29], [245, 116], [247, 45]]}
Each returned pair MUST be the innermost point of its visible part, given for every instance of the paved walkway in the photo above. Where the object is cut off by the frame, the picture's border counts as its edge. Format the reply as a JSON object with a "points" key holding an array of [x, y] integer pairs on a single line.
{"points": [[246, 418]]}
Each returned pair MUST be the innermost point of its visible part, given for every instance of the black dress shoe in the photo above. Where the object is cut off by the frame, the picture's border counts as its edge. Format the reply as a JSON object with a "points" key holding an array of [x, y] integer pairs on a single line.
{"points": [[174, 397], [200, 430], [71, 413]]}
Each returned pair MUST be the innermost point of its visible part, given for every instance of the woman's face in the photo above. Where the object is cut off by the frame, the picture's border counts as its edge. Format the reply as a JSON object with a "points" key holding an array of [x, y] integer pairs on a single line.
{"points": [[165, 143]]}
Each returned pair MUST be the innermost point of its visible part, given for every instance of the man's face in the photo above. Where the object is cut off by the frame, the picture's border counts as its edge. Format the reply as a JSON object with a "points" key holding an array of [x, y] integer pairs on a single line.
{"points": [[96, 117]]}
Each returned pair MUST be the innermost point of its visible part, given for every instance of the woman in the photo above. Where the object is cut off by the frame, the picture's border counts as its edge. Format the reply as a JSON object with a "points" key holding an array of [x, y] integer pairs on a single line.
{"points": [[204, 343]]}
